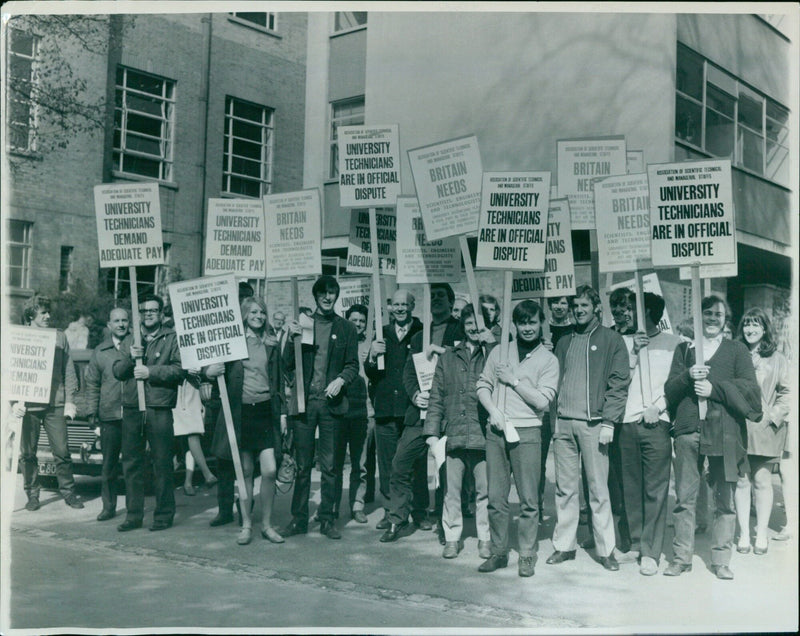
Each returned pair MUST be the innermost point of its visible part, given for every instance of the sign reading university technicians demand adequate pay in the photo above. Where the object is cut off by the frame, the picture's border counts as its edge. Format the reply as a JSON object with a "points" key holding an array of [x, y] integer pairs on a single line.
{"points": [[128, 224], [235, 238], [369, 165], [28, 355], [208, 321]]}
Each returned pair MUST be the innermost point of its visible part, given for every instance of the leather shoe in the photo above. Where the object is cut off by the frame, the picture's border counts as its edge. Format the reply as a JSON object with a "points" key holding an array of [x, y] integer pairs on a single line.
{"points": [[161, 524], [525, 565], [451, 549], [559, 557], [359, 516], [631, 556], [293, 528], [383, 524], [106, 514], [723, 572], [588, 544], [270, 534], [33, 504], [329, 530], [245, 535], [609, 563], [220, 520], [73, 501], [676, 569], [484, 549], [423, 524], [494, 562], [393, 532], [129, 524]]}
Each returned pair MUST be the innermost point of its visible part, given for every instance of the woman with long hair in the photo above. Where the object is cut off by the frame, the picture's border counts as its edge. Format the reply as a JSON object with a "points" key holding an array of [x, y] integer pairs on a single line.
{"points": [[766, 438], [255, 390]]}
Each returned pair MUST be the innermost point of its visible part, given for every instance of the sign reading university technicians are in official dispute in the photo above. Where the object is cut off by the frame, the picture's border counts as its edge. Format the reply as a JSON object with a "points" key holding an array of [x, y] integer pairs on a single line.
{"points": [[691, 213], [235, 238], [28, 355], [208, 321], [128, 224], [369, 165]]}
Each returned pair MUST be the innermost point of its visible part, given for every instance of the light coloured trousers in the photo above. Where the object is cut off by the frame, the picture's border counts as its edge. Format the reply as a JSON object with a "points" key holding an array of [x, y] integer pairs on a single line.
{"points": [[459, 461]]}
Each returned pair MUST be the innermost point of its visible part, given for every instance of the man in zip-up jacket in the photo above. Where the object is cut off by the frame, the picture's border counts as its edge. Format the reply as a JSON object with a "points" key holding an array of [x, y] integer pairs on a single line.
{"points": [[162, 373], [104, 400], [593, 391]]}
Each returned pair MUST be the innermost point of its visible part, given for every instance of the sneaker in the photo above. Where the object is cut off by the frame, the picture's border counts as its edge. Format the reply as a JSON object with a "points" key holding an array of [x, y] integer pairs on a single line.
{"points": [[73, 501], [648, 566], [33, 504], [525, 565]]}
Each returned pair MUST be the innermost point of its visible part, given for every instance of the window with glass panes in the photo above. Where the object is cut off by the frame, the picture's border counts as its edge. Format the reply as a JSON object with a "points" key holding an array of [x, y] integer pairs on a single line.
{"points": [[65, 270], [719, 114], [266, 21], [21, 84], [348, 112], [347, 20], [247, 150], [18, 247], [144, 124], [150, 279]]}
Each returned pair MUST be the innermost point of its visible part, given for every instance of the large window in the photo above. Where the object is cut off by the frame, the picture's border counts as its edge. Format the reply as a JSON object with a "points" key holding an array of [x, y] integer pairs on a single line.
{"points": [[348, 20], [348, 112], [266, 21], [144, 124], [18, 249], [247, 153], [21, 84], [723, 117]]}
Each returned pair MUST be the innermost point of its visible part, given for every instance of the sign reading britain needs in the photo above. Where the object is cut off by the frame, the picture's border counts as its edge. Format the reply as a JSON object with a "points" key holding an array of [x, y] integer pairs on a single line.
{"points": [[447, 177], [359, 248], [622, 211], [128, 224], [580, 162], [558, 276], [235, 238], [28, 355], [418, 260], [513, 220], [691, 213], [294, 246], [208, 321], [369, 165]]}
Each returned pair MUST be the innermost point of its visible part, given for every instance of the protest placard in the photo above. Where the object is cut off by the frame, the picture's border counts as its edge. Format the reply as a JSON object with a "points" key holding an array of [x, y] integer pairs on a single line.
{"points": [[28, 355], [352, 291], [294, 246], [650, 283], [359, 248], [691, 213], [235, 238], [635, 161], [579, 162], [128, 224], [420, 260], [447, 177], [622, 211], [513, 220], [208, 321], [369, 165], [558, 276], [726, 270]]}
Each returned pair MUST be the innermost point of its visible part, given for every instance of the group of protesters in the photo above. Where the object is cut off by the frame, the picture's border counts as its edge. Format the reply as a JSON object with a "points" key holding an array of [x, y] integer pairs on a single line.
{"points": [[494, 409]]}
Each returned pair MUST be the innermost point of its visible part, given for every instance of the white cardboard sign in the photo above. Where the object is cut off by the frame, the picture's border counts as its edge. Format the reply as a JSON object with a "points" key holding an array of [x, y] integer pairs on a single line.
{"points": [[447, 177], [622, 211], [558, 276], [128, 224], [235, 238], [691, 213], [513, 220], [635, 162], [420, 260], [208, 321], [353, 291], [580, 163], [359, 247], [369, 165], [294, 246], [28, 354]]}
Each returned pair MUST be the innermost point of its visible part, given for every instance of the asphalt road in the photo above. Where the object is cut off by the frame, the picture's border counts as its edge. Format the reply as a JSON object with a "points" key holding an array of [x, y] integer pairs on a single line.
{"points": [[68, 570]]}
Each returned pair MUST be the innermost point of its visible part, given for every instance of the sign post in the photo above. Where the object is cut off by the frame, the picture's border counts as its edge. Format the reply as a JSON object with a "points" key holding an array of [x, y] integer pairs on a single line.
{"points": [[129, 234]]}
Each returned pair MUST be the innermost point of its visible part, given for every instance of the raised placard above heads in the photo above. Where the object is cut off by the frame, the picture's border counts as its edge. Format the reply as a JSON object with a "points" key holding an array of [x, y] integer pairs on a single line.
{"points": [[369, 165], [420, 260], [622, 211], [235, 240], [294, 246], [359, 248]]}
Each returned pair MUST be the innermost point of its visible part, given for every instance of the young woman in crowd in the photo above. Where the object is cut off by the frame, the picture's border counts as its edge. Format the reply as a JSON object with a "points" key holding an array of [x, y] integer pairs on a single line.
{"points": [[765, 438], [255, 390]]}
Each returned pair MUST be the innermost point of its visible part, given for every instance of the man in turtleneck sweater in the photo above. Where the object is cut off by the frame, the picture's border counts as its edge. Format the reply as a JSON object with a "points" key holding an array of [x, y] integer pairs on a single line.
{"points": [[593, 390]]}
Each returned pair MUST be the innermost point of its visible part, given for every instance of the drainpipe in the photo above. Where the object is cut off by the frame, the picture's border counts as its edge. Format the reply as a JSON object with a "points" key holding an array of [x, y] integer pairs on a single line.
{"points": [[206, 78]]}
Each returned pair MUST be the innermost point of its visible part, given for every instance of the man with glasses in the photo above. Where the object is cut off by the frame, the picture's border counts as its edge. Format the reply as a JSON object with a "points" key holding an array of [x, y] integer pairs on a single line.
{"points": [[161, 373]]}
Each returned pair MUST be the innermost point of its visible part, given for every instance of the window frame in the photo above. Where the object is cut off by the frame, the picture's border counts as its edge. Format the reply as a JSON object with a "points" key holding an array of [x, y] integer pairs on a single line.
{"points": [[271, 15], [26, 250], [65, 275], [149, 278], [267, 159], [334, 123], [33, 109], [739, 128], [166, 140], [358, 27]]}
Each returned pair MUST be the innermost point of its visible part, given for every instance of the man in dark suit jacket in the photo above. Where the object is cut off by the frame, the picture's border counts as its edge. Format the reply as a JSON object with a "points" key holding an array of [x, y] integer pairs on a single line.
{"points": [[329, 365]]}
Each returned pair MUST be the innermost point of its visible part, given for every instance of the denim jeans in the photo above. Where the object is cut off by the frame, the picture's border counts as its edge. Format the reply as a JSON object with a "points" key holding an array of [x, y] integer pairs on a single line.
{"points": [[724, 525], [352, 434], [687, 464], [523, 458], [462, 461], [111, 446], [56, 428]]}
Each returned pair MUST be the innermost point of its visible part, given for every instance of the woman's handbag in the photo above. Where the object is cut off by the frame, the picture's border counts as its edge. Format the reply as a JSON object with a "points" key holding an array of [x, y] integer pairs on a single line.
{"points": [[187, 416], [288, 468]]}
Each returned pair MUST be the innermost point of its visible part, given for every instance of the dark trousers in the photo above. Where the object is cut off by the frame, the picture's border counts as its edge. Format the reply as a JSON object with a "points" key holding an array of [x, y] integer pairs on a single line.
{"points": [[368, 463], [387, 434], [226, 479], [153, 427], [56, 428], [615, 493], [688, 466], [547, 435], [646, 459], [317, 415], [351, 435], [408, 484], [724, 526], [111, 446]]}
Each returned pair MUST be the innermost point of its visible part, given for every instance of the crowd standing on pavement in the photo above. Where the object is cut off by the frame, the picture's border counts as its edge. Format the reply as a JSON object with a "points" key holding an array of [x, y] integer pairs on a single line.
{"points": [[494, 411]]}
